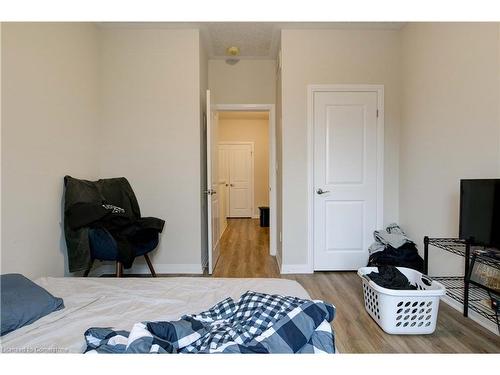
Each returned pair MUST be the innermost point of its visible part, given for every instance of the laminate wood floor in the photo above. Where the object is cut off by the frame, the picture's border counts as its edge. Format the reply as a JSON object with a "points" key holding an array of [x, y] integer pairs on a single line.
{"points": [[244, 252]]}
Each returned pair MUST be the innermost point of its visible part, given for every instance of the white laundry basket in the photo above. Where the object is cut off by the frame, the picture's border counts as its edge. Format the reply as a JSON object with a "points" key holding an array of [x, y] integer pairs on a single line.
{"points": [[404, 312]]}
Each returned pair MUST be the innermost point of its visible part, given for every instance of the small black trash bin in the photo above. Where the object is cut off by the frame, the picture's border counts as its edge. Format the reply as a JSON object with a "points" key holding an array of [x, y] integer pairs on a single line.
{"points": [[264, 216]]}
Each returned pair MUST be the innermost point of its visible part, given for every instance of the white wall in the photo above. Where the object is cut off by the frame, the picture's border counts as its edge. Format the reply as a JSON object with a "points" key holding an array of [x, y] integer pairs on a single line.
{"points": [[332, 57], [49, 117], [151, 132], [450, 125], [445, 79], [247, 82], [244, 127], [98, 103]]}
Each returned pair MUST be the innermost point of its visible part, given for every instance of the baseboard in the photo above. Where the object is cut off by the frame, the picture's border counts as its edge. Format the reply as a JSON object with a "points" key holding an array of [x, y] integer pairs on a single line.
{"points": [[256, 217], [192, 269], [204, 261], [278, 260], [295, 268], [482, 321], [223, 230]]}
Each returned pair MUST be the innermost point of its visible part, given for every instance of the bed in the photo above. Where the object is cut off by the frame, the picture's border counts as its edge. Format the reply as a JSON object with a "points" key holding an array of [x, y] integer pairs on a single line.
{"points": [[119, 303]]}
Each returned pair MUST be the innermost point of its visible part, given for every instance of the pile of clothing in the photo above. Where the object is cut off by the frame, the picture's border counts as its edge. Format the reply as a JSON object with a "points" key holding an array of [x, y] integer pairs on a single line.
{"points": [[393, 248], [109, 205], [391, 278]]}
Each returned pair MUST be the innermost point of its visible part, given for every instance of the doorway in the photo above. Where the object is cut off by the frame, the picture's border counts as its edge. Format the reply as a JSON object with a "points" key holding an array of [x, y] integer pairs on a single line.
{"points": [[243, 158]]}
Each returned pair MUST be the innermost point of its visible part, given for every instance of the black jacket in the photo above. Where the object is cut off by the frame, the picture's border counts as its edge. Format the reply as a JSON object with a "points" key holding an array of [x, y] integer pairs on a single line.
{"points": [[89, 204]]}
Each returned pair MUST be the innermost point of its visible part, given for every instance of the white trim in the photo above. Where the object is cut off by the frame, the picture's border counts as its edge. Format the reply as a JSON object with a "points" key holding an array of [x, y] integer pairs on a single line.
{"points": [[252, 169], [225, 227], [311, 89], [273, 221], [280, 262], [295, 268], [204, 261], [237, 143], [310, 179], [272, 161], [208, 197], [243, 107], [140, 269]]}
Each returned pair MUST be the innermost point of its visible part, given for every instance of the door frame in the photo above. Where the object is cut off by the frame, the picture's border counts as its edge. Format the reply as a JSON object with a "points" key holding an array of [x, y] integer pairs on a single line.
{"points": [[311, 90], [252, 167], [270, 108]]}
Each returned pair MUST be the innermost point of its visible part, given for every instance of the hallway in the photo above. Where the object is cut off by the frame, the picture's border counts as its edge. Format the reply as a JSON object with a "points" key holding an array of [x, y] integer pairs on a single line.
{"points": [[244, 251]]}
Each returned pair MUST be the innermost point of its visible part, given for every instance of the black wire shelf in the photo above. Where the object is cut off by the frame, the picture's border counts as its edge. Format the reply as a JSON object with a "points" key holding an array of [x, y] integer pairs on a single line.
{"points": [[479, 299], [473, 295], [489, 257]]}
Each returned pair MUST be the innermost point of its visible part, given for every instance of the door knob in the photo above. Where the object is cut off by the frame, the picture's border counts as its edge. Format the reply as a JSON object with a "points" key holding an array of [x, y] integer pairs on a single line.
{"points": [[321, 191]]}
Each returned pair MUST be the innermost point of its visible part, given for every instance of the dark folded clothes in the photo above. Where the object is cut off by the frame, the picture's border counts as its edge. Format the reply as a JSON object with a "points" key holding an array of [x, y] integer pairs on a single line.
{"points": [[404, 256], [391, 278]]}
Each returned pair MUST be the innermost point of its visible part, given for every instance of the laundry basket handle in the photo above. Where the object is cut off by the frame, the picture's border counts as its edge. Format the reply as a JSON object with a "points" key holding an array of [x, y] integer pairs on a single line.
{"points": [[426, 280]]}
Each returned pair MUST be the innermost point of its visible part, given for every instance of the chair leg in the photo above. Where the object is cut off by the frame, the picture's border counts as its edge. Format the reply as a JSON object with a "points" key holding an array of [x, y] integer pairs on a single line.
{"points": [[87, 271], [119, 269], [150, 265]]}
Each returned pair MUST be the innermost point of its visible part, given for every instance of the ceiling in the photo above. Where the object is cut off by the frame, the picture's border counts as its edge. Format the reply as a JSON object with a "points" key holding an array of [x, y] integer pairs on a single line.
{"points": [[256, 40], [260, 40]]}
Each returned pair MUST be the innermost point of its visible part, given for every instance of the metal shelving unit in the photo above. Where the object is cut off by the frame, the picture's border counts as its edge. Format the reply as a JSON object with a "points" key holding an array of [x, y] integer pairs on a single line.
{"points": [[459, 247], [471, 294], [477, 296]]}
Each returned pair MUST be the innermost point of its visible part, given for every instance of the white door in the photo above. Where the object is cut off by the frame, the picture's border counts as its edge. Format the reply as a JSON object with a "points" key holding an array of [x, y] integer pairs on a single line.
{"points": [[212, 182], [345, 178], [240, 180]]}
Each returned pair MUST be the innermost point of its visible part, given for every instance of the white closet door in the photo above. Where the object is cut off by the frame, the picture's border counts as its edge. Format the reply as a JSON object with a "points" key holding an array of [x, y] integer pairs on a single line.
{"points": [[345, 178], [240, 180]]}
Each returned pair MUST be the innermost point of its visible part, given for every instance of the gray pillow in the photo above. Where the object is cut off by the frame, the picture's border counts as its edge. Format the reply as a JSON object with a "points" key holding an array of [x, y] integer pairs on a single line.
{"points": [[23, 302]]}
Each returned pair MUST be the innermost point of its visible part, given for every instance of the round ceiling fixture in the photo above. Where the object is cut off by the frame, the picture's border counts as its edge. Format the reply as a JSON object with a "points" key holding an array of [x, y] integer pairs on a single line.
{"points": [[232, 51]]}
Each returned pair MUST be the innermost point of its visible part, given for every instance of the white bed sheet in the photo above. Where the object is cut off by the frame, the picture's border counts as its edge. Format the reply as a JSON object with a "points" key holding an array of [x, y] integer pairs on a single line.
{"points": [[119, 303]]}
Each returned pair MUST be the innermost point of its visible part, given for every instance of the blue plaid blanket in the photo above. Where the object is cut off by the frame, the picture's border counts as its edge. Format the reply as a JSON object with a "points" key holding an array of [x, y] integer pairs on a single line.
{"points": [[256, 323]]}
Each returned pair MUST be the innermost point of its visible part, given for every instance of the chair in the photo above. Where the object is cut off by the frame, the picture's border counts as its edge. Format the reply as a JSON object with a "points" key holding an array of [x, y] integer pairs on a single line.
{"points": [[102, 218], [103, 247]]}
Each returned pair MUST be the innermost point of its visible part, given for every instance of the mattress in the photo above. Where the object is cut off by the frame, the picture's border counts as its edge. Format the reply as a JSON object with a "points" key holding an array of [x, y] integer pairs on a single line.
{"points": [[119, 303]]}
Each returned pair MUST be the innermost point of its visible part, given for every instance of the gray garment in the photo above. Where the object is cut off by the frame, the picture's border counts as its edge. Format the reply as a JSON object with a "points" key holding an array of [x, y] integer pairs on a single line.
{"points": [[392, 235]]}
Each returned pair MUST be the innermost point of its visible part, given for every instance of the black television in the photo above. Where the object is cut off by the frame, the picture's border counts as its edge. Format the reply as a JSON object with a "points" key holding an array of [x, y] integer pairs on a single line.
{"points": [[480, 212]]}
